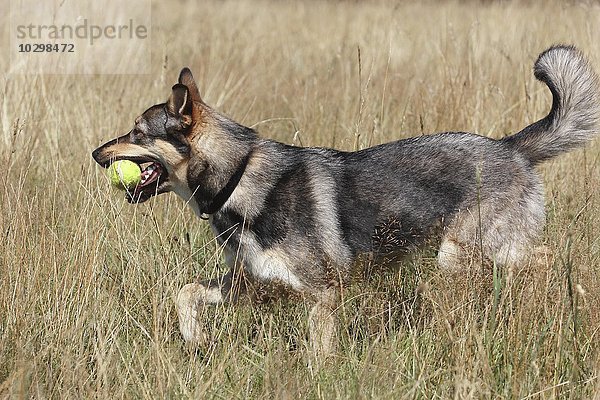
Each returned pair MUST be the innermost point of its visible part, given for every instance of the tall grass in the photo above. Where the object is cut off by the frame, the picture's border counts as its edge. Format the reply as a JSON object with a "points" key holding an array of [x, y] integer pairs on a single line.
{"points": [[87, 281]]}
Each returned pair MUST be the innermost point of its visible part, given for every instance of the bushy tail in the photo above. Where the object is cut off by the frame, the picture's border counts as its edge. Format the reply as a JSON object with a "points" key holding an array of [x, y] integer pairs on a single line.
{"points": [[575, 114]]}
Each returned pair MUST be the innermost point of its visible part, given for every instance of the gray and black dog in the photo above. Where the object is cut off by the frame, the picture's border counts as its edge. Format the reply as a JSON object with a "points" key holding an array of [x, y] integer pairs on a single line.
{"points": [[302, 217]]}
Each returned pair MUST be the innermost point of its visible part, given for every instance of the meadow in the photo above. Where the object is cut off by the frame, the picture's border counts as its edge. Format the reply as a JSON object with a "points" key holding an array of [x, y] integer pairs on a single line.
{"points": [[87, 281]]}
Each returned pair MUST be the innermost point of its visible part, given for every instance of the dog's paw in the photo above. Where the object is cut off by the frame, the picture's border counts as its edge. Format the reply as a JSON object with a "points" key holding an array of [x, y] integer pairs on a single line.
{"points": [[190, 301]]}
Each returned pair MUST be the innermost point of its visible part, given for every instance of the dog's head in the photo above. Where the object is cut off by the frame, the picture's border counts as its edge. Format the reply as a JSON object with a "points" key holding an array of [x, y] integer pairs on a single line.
{"points": [[159, 141], [181, 145]]}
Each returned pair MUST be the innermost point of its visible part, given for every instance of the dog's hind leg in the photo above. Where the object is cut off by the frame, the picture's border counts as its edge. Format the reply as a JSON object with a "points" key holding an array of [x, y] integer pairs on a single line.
{"points": [[194, 296], [451, 255], [502, 232], [455, 255], [322, 323]]}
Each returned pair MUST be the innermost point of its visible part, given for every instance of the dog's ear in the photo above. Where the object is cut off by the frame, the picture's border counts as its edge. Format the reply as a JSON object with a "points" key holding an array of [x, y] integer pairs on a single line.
{"points": [[179, 106], [186, 78]]}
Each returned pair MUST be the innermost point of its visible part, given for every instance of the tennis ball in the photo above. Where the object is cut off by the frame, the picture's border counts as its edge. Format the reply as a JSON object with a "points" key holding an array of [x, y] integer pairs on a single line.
{"points": [[124, 174]]}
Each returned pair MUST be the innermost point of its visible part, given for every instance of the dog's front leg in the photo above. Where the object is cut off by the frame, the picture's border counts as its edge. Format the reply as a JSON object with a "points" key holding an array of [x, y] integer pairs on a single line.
{"points": [[194, 296], [322, 323]]}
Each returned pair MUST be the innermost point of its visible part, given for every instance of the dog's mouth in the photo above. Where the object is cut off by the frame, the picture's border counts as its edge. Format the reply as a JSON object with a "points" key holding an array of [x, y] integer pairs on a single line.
{"points": [[154, 180]]}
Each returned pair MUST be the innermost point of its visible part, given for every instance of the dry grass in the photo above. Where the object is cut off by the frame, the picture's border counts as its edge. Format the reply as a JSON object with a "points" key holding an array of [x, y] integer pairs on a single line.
{"points": [[87, 282]]}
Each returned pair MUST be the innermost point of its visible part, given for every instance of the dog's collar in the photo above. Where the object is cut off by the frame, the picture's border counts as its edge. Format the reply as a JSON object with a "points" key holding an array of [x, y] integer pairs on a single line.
{"points": [[221, 198]]}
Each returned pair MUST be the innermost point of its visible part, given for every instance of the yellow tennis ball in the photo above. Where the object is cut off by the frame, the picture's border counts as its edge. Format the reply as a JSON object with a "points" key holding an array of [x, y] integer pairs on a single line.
{"points": [[124, 174]]}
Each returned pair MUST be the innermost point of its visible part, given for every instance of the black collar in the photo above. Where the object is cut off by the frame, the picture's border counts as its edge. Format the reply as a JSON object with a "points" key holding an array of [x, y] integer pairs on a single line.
{"points": [[221, 198]]}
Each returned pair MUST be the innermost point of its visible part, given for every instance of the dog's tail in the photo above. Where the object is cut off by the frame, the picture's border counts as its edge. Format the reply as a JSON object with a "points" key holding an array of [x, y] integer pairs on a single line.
{"points": [[575, 114]]}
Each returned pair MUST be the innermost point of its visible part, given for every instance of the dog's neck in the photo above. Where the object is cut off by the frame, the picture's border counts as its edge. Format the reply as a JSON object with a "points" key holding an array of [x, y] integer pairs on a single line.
{"points": [[225, 193]]}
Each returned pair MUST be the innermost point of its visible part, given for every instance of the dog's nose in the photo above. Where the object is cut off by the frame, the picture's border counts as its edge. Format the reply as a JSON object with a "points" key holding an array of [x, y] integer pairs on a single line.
{"points": [[95, 154], [98, 158]]}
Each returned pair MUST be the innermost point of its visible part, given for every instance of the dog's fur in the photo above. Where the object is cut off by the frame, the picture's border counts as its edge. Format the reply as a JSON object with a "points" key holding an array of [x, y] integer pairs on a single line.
{"points": [[302, 217]]}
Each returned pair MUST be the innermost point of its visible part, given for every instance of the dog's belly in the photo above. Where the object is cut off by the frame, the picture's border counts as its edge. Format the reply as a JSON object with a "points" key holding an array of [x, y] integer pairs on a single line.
{"points": [[272, 266], [267, 266]]}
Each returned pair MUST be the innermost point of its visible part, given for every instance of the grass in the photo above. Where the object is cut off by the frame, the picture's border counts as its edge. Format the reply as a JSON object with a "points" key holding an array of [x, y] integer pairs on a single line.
{"points": [[87, 281]]}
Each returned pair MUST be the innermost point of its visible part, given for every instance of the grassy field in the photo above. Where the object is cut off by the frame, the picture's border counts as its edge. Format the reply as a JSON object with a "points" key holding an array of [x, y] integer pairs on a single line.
{"points": [[87, 282]]}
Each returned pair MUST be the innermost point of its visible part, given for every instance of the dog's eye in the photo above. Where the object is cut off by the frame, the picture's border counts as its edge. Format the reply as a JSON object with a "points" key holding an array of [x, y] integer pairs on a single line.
{"points": [[136, 133]]}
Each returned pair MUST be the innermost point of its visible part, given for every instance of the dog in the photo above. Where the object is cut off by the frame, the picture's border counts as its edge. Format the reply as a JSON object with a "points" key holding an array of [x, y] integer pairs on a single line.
{"points": [[302, 217]]}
